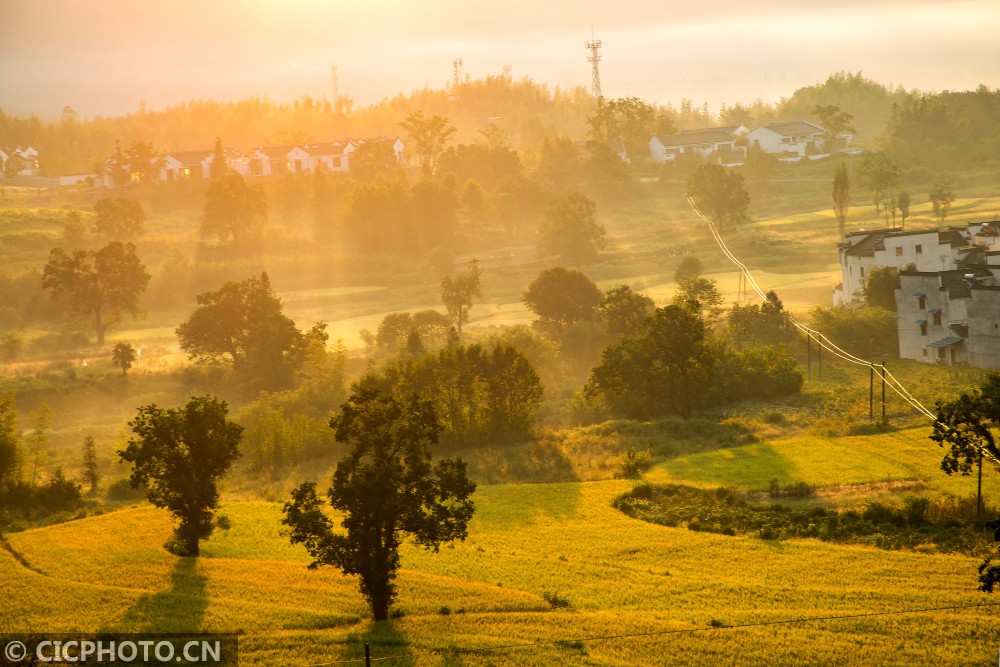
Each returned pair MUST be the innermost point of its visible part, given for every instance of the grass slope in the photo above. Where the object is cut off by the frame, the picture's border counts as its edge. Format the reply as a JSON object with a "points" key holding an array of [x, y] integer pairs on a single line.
{"points": [[621, 576]]}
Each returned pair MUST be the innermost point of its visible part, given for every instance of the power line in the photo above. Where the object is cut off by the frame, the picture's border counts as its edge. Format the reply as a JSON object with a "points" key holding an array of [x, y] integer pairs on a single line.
{"points": [[656, 633], [824, 342], [821, 339]]}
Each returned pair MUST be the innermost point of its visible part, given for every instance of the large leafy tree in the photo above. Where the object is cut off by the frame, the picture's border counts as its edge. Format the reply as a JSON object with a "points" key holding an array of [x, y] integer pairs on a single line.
{"points": [[625, 311], [719, 192], [561, 297], [234, 211], [373, 160], [569, 231], [119, 219], [665, 370], [883, 178], [179, 455], [386, 488], [103, 284], [967, 427], [242, 324], [834, 122], [428, 136], [458, 291]]}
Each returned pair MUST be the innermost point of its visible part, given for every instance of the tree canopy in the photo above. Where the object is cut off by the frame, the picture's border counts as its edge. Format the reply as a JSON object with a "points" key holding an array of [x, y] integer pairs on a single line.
{"points": [[458, 291], [386, 488], [119, 219], [719, 193], [179, 455], [562, 296], [102, 284], [234, 212], [428, 137], [569, 231], [242, 323]]}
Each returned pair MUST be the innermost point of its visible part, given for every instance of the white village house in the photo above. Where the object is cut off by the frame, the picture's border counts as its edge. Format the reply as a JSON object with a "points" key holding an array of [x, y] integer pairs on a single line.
{"points": [[712, 143], [948, 298], [790, 141], [18, 161]]}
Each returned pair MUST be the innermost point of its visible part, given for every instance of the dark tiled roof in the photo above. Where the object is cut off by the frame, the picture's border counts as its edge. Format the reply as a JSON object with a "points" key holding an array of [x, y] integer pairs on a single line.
{"points": [[710, 135], [867, 246], [795, 127]]}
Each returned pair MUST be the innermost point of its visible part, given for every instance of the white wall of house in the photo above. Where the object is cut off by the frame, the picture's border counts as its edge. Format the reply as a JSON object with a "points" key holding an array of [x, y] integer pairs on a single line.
{"points": [[923, 313], [984, 327], [770, 140]]}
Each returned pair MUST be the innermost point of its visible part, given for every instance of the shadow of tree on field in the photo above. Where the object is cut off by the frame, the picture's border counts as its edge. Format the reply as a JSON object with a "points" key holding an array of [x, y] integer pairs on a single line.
{"points": [[387, 644], [180, 608]]}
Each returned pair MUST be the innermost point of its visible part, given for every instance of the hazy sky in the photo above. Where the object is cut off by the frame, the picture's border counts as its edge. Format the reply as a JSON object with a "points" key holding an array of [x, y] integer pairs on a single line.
{"points": [[104, 56]]}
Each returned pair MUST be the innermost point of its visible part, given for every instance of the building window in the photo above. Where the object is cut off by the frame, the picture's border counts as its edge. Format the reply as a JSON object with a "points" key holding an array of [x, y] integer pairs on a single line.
{"points": [[937, 319], [850, 270], [941, 353], [922, 302], [923, 328], [925, 351], [920, 249], [862, 272], [899, 251]]}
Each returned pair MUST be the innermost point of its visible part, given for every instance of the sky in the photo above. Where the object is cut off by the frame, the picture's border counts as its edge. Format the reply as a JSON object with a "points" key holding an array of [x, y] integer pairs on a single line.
{"points": [[105, 56]]}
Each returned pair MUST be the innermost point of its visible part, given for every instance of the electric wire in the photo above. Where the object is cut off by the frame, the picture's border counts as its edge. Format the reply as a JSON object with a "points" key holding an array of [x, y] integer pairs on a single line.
{"points": [[821, 339]]}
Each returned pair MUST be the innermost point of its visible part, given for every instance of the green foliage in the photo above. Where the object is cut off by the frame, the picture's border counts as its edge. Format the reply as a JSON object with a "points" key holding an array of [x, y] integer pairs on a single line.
{"points": [[941, 198], [103, 284], [10, 447], [457, 293], [486, 165], [374, 160], [719, 192], [481, 395], [122, 355], [90, 471], [624, 312], [868, 332], [385, 488], [434, 212], [555, 600], [379, 221], [234, 211], [726, 511], [561, 297], [665, 370], [760, 324], [880, 286], [179, 454], [883, 179], [633, 464], [286, 428], [119, 219], [834, 122], [841, 195], [569, 231], [242, 323], [428, 137]]}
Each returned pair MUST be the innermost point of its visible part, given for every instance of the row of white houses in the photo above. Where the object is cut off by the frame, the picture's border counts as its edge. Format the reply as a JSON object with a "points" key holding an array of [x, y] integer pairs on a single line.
{"points": [[791, 142], [948, 298], [331, 157], [16, 161]]}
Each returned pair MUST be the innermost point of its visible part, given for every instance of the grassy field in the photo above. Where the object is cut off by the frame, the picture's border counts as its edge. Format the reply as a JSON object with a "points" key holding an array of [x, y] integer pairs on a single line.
{"points": [[621, 577]]}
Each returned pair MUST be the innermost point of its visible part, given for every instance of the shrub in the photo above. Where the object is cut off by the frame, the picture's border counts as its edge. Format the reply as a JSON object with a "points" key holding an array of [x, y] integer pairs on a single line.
{"points": [[555, 600], [633, 463]]}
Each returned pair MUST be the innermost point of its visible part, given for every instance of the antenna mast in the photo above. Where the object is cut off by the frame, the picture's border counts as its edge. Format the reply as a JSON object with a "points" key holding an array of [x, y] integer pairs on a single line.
{"points": [[594, 46], [457, 64]]}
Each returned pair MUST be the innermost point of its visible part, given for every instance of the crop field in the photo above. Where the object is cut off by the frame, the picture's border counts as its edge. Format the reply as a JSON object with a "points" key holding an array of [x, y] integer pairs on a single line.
{"points": [[668, 595]]}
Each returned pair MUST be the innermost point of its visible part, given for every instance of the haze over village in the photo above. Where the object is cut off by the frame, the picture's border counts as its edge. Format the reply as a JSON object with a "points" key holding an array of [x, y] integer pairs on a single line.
{"points": [[425, 334]]}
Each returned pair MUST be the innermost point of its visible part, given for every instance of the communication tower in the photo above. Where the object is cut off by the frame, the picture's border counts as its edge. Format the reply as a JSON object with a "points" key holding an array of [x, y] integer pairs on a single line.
{"points": [[594, 45], [457, 64]]}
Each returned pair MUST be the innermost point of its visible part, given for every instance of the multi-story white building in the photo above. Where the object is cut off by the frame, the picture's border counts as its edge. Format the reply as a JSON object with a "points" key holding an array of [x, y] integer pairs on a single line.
{"points": [[948, 298], [924, 250]]}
